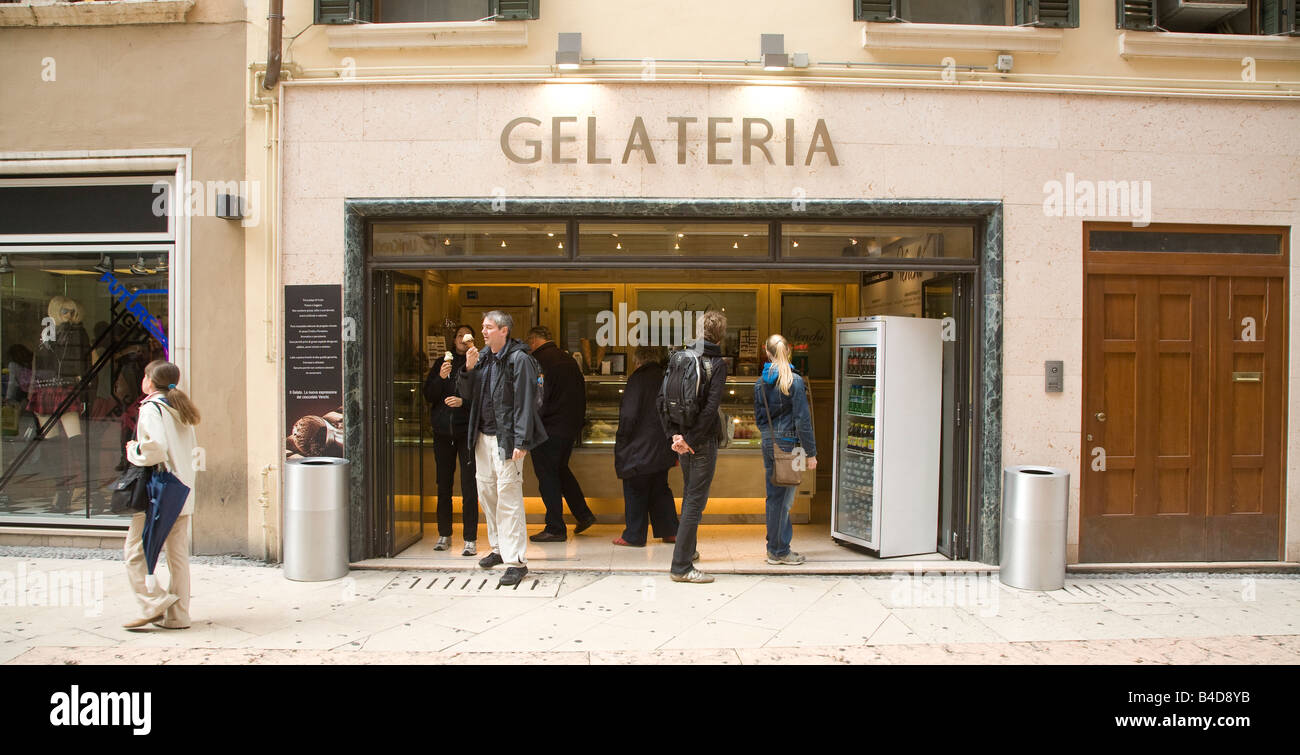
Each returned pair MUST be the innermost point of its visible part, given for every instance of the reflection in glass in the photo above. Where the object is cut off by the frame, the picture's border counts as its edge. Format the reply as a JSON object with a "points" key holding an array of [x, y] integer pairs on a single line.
{"points": [[498, 239], [73, 361], [672, 239], [838, 240]]}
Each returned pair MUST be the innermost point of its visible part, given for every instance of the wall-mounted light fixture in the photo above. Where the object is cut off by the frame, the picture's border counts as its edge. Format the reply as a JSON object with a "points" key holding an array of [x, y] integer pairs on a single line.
{"points": [[568, 52], [105, 264], [5, 267], [773, 54]]}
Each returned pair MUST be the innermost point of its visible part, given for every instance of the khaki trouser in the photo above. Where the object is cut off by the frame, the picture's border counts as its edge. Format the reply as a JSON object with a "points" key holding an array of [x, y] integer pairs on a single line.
{"points": [[501, 494], [174, 602]]}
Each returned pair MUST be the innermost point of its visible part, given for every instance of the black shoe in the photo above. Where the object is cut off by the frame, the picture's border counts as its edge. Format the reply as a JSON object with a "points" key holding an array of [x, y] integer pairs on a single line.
{"points": [[547, 537], [584, 525], [490, 560], [513, 576]]}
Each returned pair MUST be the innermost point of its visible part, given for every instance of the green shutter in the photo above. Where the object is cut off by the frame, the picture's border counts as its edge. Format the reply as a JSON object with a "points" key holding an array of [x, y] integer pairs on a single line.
{"points": [[516, 10], [877, 10], [1278, 17], [342, 11], [1052, 14], [1138, 15]]}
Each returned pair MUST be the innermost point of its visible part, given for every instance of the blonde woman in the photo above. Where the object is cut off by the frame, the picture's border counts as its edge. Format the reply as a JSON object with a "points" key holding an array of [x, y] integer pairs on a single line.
{"points": [[164, 435], [783, 415]]}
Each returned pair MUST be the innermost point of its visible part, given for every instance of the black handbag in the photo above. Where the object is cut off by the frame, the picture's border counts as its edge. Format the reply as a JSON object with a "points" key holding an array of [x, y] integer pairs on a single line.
{"points": [[131, 491]]}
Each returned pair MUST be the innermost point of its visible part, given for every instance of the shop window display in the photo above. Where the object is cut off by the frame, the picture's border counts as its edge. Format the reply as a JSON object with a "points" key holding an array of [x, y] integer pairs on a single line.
{"points": [[73, 361]]}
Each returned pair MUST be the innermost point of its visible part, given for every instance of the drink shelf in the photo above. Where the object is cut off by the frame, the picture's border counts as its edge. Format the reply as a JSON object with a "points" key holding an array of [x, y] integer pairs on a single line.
{"points": [[857, 452], [855, 414]]}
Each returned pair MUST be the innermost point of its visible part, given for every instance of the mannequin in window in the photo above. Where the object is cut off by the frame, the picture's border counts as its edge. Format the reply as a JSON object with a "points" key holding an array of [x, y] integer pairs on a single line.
{"points": [[57, 368]]}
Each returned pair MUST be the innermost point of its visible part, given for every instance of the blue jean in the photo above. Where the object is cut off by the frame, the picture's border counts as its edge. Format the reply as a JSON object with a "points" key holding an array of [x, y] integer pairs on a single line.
{"points": [[779, 501]]}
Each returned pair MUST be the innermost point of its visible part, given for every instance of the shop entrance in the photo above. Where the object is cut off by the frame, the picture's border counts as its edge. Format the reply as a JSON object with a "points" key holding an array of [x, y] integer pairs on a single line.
{"points": [[591, 315]]}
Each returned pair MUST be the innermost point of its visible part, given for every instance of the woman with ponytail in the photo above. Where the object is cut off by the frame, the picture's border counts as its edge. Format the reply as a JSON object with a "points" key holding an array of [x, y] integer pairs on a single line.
{"points": [[164, 435], [783, 415]]}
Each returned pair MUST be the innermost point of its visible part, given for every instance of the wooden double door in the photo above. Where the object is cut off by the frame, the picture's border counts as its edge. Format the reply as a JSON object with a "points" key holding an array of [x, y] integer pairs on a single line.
{"points": [[1184, 417]]}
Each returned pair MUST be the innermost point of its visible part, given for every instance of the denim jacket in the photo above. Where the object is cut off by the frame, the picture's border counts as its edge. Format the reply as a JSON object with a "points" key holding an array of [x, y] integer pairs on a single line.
{"points": [[791, 414]]}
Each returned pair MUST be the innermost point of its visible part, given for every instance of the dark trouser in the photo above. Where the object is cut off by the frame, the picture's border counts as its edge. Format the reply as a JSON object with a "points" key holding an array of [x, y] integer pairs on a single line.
{"points": [[557, 484], [697, 476], [648, 494], [445, 450]]}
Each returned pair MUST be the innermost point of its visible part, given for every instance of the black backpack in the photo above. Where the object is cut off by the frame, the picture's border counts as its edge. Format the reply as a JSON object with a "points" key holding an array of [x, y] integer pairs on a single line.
{"points": [[680, 401]]}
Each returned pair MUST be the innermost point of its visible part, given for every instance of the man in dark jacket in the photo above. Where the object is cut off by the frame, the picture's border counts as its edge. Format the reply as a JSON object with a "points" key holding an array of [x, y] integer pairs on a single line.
{"points": [[564, 408], [450, 420], [641, 456], [504, 424], [697, 447]]}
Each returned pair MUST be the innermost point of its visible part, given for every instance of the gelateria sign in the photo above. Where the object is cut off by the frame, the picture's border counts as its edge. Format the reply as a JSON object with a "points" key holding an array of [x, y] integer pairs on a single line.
{"points": [[727, 140]]}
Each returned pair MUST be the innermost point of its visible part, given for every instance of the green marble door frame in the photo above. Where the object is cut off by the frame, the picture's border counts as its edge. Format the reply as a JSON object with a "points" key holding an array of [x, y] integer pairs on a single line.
{"points": [[986, 215]]}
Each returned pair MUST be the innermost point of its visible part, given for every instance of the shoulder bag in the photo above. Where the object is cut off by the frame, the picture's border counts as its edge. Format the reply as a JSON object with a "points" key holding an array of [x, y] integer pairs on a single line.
{"points": [[784, 471]]}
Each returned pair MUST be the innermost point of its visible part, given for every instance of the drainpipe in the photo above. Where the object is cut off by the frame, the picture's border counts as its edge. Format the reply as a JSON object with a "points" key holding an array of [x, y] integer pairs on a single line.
{"points": [[275, 30]]}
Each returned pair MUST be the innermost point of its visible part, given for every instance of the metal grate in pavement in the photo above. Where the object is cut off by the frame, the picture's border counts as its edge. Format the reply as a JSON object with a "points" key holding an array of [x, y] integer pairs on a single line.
{"points": [[1135, 591], [470, 584]]}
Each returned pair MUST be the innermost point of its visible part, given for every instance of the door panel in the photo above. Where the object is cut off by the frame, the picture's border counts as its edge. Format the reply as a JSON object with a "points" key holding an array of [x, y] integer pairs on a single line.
{"points": [[1246, 442], [1185, 395]]}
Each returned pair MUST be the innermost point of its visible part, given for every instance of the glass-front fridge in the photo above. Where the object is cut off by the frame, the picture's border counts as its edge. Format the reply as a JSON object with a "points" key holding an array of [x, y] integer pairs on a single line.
{"points": [[888, 397]]}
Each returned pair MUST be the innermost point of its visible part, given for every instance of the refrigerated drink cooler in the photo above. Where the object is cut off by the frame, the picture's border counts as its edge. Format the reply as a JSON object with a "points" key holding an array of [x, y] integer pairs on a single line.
{"points": [[888, 399]]}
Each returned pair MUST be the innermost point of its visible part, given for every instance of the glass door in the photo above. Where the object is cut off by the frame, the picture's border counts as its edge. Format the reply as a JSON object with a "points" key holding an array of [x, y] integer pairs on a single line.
{"points": [[854, 497], [397, 403], [943, 298]]}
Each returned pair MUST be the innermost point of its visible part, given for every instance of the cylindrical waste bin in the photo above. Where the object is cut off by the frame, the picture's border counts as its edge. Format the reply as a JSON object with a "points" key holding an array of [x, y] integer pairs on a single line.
{"points": [[1034, 504], [315, 518]]}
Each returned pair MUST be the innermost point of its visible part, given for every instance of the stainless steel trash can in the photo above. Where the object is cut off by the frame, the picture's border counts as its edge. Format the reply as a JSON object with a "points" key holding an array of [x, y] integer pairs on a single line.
{"points": [[1035, 500], [315, 519]]}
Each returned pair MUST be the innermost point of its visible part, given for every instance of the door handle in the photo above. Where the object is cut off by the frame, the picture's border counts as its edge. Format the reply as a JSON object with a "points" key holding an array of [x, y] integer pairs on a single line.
{"points": [[1101, 416]]}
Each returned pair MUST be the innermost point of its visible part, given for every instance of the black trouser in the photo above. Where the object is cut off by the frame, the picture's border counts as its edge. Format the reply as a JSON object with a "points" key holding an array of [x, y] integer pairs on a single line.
{"points": [[648, 494], [557, 484], [697, 476], [445, 450]]}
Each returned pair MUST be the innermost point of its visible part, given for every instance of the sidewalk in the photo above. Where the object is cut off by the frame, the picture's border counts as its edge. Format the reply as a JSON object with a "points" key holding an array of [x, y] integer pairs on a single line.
{"points": [[252, 614]]}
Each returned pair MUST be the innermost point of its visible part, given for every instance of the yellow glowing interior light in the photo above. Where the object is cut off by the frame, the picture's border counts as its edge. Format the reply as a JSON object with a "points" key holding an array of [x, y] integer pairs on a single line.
{"points": [[796, 243], [446, 242], [552, 234], [619, 245], [735, 245], [681, 235], [503, 243]]}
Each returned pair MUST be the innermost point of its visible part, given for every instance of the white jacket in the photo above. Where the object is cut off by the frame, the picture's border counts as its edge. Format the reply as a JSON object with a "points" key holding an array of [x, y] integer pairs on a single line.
{"points": [[162, 438]]}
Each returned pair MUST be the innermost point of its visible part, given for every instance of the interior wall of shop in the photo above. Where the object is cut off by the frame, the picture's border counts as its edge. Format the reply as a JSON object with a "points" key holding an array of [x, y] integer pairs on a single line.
{"points": [[1202, 158], [133, 87]]}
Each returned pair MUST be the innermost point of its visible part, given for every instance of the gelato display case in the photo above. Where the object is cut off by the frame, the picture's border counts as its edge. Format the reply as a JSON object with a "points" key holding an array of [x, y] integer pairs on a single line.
{"points": [[605, 392]]}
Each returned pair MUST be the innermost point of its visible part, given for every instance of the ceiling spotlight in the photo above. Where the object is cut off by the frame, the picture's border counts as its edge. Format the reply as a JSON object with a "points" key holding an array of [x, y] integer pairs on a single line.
{"points": [[139, 268], [568, 52], [772, 50], [5, 267], [105, 264], [619, 245]]}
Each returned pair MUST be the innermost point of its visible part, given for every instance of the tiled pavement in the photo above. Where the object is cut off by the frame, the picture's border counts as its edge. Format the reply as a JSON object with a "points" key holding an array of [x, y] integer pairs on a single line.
{"points": [[246, 614]]}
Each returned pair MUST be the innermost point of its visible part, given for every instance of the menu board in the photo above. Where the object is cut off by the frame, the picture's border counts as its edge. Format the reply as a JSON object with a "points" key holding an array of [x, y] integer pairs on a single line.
{"points": [[313, 370]]}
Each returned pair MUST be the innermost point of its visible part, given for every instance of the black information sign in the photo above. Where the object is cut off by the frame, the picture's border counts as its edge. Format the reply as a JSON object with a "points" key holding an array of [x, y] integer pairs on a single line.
{"points": [[313, 370]]}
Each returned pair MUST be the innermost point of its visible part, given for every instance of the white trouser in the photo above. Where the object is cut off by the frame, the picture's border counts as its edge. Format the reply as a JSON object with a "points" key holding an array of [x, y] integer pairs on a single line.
{"points": [[501, 494]]}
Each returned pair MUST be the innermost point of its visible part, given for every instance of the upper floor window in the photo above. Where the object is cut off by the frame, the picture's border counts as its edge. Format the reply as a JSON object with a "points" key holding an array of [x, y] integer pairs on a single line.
{"points": [[407, 11], [1047, 13], [1267, 17]]}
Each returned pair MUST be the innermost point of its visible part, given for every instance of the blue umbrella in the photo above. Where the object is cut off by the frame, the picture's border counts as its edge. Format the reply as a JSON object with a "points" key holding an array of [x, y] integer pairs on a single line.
{"points": [[167, 495]]}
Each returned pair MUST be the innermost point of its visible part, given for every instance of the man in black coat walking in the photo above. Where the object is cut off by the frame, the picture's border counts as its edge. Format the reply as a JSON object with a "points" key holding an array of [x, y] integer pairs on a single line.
{"points": [[564, 409], [641, 457]]}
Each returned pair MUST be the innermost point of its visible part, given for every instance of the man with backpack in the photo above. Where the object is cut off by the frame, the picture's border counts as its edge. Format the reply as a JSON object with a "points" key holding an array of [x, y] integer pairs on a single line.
{"points": [[688, 406], [504, 424]]}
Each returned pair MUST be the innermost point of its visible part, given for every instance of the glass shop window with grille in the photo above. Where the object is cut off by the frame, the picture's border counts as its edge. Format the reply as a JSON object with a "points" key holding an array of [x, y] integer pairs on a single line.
{"points": [[1044, 13], [423, 11]]}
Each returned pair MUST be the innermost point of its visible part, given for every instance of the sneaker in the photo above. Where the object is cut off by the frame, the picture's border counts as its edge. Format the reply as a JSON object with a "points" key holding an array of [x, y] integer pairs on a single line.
{"points": [[470, 549], [490, 560], [694, 575], [513, 576], [790, 559], [443, 544]]}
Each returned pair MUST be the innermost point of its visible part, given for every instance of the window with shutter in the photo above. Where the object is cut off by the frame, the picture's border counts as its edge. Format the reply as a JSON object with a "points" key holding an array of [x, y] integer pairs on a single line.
{"points": [[877, 10], [337, 12], [517, 10], [1278, 17], [1052, 14], [1138, 15]]}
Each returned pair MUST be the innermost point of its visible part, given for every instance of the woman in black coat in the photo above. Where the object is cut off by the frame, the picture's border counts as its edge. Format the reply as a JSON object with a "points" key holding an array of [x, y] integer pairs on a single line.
{"points": [[450, 419], [642, 457]]}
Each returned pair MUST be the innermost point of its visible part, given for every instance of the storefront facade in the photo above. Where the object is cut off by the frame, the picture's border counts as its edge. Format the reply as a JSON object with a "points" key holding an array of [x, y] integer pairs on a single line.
{"points": [[358, 155]]}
